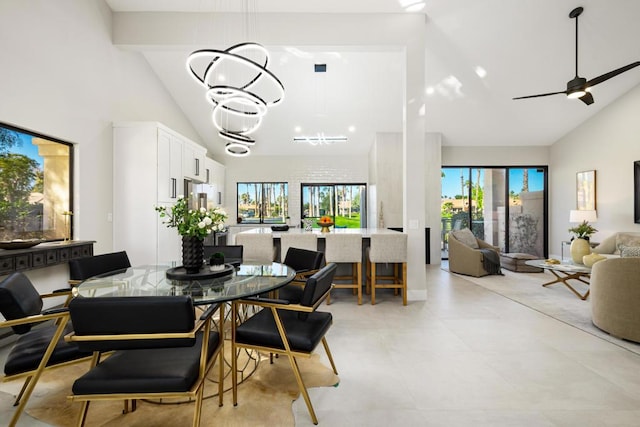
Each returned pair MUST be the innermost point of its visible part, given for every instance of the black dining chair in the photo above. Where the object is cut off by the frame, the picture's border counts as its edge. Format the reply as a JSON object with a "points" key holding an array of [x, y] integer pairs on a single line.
{"points": [[306, 263], [161, 350], [294, 330], [36, 349], [81, 269], [232, 253]]}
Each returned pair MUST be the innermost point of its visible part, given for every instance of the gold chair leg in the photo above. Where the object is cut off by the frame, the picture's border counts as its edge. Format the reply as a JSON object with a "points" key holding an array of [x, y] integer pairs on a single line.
{"points": [[302, 388], [36, 375], [24, 387], [329, 355], [198, 407], [82, 416]]}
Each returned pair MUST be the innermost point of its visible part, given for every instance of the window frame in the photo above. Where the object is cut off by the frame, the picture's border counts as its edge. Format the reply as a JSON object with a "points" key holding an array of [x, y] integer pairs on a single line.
{"points": [[334, 185], [261, 217], [69, 218]]}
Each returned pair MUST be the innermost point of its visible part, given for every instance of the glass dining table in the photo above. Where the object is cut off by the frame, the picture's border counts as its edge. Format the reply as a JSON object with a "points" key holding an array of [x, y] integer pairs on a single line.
{"points": [[245, 280]]}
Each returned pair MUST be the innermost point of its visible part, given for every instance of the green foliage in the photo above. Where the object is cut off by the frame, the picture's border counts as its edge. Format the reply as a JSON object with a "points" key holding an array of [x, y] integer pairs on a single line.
{"points": [[583, 230], [17, 176], [192, 222]]}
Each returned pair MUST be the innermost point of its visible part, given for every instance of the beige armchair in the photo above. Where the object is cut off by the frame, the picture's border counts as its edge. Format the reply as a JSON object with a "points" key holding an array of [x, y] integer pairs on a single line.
{"points": [[615, 297], [465, 259]]}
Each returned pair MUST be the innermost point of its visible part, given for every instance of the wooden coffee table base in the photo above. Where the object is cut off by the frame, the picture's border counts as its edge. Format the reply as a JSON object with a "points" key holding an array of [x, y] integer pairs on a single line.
{"points": [[565, 280]]}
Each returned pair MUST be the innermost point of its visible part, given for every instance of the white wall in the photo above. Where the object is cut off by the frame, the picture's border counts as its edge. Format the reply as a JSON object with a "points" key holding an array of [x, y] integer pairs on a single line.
{"points": [[61, 76], [608, 143], [495, 156], [386, 151]]}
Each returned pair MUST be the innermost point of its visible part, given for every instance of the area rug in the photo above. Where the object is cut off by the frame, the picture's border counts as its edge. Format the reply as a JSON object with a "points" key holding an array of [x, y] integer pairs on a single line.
{"points": [[556, 301], [264, 399]]}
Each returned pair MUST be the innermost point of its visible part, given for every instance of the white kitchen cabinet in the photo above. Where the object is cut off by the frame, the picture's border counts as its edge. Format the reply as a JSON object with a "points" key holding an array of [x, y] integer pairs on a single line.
{"points": [[216, 173], [193, 161], [147, 172], [170, 184]]}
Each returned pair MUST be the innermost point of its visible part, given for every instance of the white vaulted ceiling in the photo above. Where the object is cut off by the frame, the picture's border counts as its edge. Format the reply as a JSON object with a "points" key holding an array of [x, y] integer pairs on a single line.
{"points": [[479, 55]]}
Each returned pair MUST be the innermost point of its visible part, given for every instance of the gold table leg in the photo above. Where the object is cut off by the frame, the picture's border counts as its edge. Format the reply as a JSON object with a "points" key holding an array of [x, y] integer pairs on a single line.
{"points": [[565, 280]]}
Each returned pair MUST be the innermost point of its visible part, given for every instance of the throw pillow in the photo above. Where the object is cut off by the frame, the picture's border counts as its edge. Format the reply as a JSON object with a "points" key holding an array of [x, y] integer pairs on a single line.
{"points": [[630, 251], [627, 239], [466, 237]]}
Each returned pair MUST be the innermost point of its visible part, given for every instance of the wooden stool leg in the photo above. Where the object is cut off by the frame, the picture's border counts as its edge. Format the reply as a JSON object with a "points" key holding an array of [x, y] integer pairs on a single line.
{"points": [[404, 283], [358, 267], [373, 283]]}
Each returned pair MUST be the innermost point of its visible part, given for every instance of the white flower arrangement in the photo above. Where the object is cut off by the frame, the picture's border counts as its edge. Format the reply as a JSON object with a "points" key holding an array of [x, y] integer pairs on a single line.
{"points": [[192, 222]]}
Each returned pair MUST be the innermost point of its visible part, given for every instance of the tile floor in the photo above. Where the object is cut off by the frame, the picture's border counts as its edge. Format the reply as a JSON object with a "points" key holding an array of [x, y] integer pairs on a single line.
{"points": [[465, 357]]}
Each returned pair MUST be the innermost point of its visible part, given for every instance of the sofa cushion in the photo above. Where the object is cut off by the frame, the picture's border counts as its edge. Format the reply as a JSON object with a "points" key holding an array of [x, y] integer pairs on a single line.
{"points": [[607, 246], [627, 239], [630, 251], [466, 237]]}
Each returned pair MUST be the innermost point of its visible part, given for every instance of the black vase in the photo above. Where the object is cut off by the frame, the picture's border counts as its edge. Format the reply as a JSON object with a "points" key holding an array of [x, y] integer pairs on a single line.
{"points": [[192, 254]]}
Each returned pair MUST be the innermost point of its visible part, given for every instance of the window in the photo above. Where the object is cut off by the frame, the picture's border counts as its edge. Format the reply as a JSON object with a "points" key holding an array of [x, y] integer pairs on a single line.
{"points": [[35, 186], [344, 203], [263, 202]]}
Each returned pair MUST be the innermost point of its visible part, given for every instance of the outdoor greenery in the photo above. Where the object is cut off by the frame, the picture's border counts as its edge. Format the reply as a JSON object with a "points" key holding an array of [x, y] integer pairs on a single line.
{"points": [[20, 176]]}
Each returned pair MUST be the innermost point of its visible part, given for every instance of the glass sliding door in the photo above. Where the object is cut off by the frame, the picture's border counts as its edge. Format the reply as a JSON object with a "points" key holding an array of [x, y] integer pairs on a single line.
{"points": [[527, 202], [504, 206]]}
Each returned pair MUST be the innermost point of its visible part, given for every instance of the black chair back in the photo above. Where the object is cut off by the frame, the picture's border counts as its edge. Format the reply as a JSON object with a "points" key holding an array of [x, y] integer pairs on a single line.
{"points": [[105, 264], [318, 285], [132, 315], [303, 259], [232, 253], [18, 299]]}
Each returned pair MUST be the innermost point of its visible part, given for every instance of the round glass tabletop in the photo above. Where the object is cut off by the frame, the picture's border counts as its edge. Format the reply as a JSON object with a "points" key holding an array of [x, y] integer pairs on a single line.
{"points": [[151, 280]]}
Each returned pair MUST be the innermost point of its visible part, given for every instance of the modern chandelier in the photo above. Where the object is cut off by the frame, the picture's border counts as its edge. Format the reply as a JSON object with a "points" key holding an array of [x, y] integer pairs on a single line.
{"points": [[240, 88]]}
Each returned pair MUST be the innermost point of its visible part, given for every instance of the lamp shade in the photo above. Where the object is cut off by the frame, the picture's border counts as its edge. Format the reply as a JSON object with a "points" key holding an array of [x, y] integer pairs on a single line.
{"points": [[578, 216]]}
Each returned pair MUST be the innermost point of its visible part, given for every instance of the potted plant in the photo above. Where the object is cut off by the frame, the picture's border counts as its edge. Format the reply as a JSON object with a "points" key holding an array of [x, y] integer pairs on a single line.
{"points": [[216, 262], [193, 225], [580, 243]]}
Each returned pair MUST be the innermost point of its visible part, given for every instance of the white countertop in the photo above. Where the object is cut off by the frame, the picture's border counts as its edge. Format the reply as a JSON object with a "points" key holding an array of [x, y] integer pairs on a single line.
{"points": [[366, 232]]}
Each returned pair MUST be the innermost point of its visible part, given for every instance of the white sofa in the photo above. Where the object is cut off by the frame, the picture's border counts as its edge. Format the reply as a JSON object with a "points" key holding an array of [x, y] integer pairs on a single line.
{"points": [[611, 246]]}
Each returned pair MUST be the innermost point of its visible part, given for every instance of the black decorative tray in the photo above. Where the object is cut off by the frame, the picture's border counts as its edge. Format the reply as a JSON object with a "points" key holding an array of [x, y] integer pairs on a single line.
{"points": [[19, 244], [179, 273], [280, 227]]}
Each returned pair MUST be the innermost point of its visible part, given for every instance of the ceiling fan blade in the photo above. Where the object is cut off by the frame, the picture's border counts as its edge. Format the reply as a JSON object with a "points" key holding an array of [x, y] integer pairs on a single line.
{"points": [[610, 74], [587, 98], [541, 94]]}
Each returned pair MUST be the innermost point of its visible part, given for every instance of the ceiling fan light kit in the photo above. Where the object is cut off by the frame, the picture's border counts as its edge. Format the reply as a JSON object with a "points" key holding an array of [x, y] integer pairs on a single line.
{"points": [[579, 87]]}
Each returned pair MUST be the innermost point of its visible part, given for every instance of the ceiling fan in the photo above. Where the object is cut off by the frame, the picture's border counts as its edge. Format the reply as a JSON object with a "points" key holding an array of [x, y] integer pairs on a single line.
{"points": [[579, 87]]}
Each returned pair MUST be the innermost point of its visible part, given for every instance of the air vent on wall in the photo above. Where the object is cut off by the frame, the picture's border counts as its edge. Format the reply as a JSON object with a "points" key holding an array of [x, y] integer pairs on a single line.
{"points": [[320, 68]]}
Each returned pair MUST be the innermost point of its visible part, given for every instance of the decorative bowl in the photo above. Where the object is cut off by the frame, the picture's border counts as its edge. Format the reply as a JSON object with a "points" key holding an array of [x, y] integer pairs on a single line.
{"points": [[325, 226], [19, 244]]}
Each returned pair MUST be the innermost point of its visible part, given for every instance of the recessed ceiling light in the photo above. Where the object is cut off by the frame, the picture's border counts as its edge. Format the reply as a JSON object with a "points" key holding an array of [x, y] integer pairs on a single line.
{"points": [[481, 72], [221, 78], [352, 128], [297, 129], [320, 139]]}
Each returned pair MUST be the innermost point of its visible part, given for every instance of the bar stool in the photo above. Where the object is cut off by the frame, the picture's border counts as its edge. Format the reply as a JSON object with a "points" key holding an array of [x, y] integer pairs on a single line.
{"points": [[257, 247], [346, 248], [308, 241], [387, 249]]}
